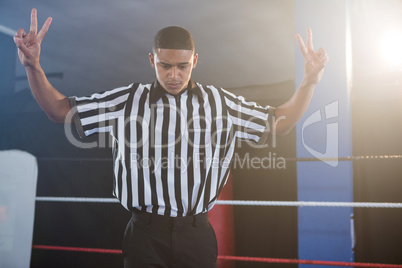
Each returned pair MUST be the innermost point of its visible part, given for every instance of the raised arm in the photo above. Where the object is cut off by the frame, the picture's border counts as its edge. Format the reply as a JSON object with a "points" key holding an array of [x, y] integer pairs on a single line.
{"points": [[290, 112], [52, 102]]}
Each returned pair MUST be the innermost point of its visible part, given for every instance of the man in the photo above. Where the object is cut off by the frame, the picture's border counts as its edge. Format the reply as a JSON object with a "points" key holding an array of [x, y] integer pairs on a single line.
{"points": [[173, 142]]}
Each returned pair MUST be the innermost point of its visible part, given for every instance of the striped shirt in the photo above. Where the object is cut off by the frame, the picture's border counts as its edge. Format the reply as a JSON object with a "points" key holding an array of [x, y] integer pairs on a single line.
{"points": [[172, 154]]}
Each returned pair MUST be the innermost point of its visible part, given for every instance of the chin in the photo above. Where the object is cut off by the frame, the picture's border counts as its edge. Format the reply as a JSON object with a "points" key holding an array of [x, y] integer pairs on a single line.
{"points": [[175, 90]]}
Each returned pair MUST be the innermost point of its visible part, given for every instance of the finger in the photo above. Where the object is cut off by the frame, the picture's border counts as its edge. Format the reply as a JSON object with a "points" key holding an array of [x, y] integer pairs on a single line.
{"points": [[44, 29], [16, 39], [302, 46], [21, 46], [326, 60], [310, 46], [322, 53], [21, 33], [34, 22]]}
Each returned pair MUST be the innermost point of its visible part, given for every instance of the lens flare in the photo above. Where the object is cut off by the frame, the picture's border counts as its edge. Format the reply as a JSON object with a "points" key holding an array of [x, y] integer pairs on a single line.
{"points": [[392, 47]]}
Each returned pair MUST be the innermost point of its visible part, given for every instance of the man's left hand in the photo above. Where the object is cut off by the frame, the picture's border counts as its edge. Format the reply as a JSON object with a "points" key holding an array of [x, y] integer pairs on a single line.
{"points": [[314, 62]]}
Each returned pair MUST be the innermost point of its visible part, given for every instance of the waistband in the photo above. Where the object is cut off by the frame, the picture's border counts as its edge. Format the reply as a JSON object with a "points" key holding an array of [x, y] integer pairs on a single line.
{"points": [[162, 221]]}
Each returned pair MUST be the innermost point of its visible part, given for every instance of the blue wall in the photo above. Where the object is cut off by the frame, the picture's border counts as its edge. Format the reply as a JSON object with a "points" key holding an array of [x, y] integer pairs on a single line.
{"points": [[325, 131], [8, 56], [7, 63]]}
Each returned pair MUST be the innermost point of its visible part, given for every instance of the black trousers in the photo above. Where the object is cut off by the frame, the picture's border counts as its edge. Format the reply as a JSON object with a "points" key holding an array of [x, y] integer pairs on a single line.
{"points": [[159, 241]]}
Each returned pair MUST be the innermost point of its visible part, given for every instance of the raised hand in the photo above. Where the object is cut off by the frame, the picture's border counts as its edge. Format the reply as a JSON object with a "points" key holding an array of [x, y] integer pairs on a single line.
{"points": [[29, 43], [314, 62]]}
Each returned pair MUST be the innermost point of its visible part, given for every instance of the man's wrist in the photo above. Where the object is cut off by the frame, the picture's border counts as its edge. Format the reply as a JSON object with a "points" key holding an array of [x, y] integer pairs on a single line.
{"points": [[33, 68], [308, 83]]}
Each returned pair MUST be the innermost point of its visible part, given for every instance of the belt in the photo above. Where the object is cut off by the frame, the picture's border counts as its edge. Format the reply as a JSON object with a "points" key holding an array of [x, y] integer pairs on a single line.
{"points": [[170, 222]]}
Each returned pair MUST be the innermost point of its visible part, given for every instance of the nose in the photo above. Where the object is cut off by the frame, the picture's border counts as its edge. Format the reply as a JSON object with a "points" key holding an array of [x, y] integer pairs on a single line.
{"points": [[174, 72]]}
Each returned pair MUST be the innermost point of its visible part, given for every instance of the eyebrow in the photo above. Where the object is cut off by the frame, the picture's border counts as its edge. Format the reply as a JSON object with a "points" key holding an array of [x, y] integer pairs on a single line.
{"points": [[168, 64]]}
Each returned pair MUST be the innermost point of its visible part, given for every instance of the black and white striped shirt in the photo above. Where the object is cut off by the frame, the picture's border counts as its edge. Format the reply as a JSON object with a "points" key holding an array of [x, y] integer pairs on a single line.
{"points": [[172, 154]]}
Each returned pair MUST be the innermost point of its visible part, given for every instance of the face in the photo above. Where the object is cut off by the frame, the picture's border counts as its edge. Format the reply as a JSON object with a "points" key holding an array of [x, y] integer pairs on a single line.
{"points": [[173, 68]]}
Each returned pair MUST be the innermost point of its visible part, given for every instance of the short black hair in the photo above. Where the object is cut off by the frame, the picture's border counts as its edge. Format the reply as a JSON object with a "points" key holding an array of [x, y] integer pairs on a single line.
{"points": [[173, 37]]}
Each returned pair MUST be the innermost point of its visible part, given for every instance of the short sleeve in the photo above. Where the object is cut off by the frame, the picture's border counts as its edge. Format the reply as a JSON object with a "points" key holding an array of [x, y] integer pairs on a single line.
{"points": [[98, 112], [251, 121]]}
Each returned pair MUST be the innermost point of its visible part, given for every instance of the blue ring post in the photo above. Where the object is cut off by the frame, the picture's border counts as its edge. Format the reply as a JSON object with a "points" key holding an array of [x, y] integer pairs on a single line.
{"points": [[325, 131]]}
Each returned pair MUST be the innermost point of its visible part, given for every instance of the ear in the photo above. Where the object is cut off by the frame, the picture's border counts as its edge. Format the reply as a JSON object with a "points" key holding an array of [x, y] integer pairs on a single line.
{"points": [[152, 60], [195, 60]]}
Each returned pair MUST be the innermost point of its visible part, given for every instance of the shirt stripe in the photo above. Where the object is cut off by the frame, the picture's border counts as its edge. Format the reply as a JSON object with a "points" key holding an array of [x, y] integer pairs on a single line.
{"points": [[172, 154]]}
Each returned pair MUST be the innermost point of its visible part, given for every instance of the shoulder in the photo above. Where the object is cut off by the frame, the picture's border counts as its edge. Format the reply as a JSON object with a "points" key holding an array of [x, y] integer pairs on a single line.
{"points": [[211, 89], [140, 86]]}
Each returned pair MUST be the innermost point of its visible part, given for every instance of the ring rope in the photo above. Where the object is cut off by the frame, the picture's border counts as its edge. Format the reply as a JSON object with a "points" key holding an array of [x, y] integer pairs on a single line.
{"points": [[343, 158], [309, 204], [79, 249], [314, 262], [76, 199], [301, 159], [239, 202], [233, 258]]}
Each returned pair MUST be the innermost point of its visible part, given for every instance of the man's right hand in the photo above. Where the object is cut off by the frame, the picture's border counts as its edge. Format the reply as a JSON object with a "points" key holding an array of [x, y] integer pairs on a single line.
{"points": [[53, 103], [29, 44]]}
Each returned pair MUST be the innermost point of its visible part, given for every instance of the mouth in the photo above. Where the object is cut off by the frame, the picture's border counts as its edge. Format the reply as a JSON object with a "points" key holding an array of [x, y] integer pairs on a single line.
{"points": [[173, 85]]}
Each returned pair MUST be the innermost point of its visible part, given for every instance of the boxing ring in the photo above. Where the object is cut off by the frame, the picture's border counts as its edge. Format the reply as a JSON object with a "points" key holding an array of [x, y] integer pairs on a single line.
{"points": [[299, 204], [235, 203]]}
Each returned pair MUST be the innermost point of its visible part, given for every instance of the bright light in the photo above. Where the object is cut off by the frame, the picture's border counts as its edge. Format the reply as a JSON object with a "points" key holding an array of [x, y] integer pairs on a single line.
{"points": [[392, 47]]}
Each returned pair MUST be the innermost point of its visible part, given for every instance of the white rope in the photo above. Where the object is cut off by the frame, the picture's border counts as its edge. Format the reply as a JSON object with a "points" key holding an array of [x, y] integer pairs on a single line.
{"points": [[301, 159], [239, 202], [77, 199], [309, 204]]}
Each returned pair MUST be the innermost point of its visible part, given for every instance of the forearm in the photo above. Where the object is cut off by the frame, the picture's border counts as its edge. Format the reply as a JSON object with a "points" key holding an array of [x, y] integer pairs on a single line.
{"points": [[289, 113], [52, 102]]}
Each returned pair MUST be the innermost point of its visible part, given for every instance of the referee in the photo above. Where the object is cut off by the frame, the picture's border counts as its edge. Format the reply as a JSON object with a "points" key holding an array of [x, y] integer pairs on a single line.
{"points": [[174, 141]]}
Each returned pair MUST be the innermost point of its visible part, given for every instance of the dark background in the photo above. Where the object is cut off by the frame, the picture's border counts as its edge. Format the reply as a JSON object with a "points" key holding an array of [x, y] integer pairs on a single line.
{"points": [[377, 130]]}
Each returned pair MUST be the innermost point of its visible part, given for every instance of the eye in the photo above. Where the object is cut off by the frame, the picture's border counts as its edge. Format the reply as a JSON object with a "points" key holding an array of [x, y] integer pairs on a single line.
{"points": [[182, 67]]}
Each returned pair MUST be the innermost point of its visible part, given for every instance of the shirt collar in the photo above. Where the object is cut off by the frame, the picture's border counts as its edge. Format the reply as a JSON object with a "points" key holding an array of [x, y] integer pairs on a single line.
{"points": [[157, 91]]}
